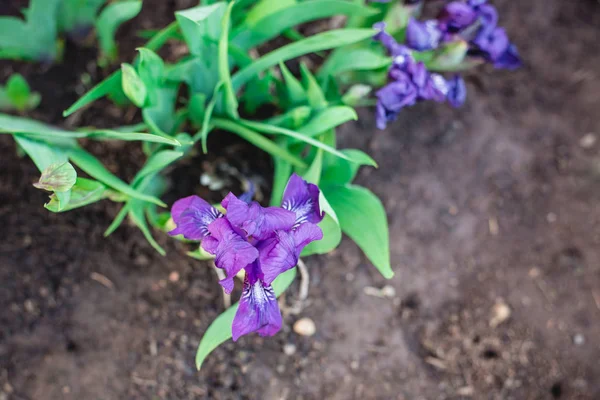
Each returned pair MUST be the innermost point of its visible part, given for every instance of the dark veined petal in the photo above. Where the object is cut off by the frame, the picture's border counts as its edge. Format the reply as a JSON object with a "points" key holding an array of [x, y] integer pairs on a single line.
{"points": [[232, 252], [192, 215], [302, 198], [255, 220], [258, 310], [281, 253]]}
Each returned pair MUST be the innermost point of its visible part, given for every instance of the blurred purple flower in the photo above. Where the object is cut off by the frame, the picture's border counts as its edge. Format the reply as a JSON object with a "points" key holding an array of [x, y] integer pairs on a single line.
{"points": [[456, 16], [392, 46], [409, 83], [423, 35], [265, 242]]}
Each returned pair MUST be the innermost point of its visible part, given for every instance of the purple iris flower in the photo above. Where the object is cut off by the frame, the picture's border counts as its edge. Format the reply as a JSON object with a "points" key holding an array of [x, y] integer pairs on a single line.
{"points": [[265, 242], [410, 82], [456, 16], [422, 36]]}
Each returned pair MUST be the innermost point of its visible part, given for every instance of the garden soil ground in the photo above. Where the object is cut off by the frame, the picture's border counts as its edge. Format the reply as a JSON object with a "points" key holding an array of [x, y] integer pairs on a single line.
{"points": [[495, 234]]}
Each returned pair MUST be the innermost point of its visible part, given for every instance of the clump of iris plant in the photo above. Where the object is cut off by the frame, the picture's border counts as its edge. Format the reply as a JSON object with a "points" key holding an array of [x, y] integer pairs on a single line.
{"points": [[471, 24], [263, 241]]}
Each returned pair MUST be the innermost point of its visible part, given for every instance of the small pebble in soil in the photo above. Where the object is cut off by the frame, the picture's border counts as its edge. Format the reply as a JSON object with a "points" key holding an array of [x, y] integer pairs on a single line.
{"points": [[289, 349], [578, 339], [500, 313], [305, 327], [493, 226], [587, 141], [174, 276], [551, 218]]}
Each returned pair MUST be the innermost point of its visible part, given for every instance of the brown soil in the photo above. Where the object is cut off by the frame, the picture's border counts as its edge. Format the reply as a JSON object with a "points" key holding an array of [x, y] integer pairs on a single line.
{"points": [[491, 206]]}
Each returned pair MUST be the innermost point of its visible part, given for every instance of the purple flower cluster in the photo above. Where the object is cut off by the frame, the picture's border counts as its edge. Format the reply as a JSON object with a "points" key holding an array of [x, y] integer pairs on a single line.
{"points": [[264, 241], [473, 21], [470, 21], [410, 82]]}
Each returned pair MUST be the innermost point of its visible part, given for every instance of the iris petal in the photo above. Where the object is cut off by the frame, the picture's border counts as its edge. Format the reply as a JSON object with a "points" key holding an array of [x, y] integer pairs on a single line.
{"points": [[192, 215], [257, 221], [281, 252], [302, 198], [258, 310], [232, 252]]}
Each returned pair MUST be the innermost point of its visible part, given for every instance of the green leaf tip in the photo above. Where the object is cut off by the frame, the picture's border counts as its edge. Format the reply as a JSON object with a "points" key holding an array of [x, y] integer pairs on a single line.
{"points": [[57, 177]]}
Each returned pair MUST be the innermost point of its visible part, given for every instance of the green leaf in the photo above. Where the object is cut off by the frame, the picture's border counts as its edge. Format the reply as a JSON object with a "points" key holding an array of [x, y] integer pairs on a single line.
{"points": [[294, 92], [84, 192], [58, 137], [110, 85], [133, 86], [362, 217], [313, 173], [206, 126], [201, 27], [18, 92], [283, 171], [327, 119], [275, 130], [342, 171], [293, 119], [258, 140], [231, 104], [353, 60], [219, 330], [332, 236], [261, 26], [91, 166], [41, 153], [322, 41], [78, 14], [109, 20], [160, 115], [108, 134], [316, 97], [196, 108], [150, 67], [122, 214], [32, 39], [137, 214], [57, 177], [156, 163], [62, 199]]}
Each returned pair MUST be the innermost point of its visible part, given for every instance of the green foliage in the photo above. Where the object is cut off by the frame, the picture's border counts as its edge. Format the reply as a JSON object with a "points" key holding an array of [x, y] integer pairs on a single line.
{"points": [[17, 95], [38, 37], [222, 77], [107, 23], [33, 38]]}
